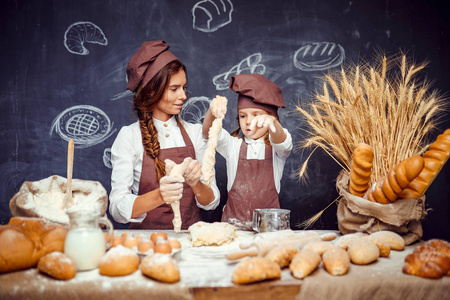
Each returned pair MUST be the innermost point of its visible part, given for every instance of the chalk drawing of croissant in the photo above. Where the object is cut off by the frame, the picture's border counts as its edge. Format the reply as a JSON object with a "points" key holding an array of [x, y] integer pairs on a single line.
{"points": [[194, 110], [210, 15], [250, 65], [80, 33]]}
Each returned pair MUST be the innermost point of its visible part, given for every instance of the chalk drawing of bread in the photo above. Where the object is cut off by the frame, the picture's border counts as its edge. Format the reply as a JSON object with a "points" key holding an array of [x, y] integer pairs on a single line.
{"points": [[83, 32], [319, 56], [210, 15], [249, 65], [86, 125]]}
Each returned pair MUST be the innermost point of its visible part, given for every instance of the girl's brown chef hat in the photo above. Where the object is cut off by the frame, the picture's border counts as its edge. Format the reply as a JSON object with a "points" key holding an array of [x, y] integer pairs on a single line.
{"points": [[151, 57], [256, 91]]}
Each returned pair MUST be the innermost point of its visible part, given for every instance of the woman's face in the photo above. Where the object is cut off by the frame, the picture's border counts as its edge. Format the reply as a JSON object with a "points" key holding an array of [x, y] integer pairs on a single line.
{"points": [[246, 116], [173, 97]]}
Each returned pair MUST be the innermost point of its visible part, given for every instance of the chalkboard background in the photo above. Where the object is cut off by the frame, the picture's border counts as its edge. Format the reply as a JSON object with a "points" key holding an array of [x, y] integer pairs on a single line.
{"points": [[48, 84]]}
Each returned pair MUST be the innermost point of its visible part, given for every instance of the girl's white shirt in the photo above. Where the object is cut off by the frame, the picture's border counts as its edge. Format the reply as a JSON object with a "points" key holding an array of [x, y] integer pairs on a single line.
{"points": [[127, 153], [229, 147]]}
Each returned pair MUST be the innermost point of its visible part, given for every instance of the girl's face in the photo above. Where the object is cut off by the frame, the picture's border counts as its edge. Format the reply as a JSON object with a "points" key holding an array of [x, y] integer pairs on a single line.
{"points": [[246, 116], [173, 98]]}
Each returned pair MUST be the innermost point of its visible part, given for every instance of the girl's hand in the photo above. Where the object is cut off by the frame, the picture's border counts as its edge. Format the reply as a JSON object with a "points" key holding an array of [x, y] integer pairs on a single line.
{"points": [[193, 171], [171, 188], [219, 106], [264, 121]]}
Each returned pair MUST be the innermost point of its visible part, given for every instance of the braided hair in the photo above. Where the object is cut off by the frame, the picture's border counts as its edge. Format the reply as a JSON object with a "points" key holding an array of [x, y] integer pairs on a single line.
{"points": [[145, 100]]}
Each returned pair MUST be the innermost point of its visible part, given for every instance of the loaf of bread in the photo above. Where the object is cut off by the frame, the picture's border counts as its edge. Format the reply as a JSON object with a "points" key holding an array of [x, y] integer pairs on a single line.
{"points": [[361, 170], [119, 261], [336, 261], [161, 267], [345, 240], [282, 255], [304, 263], [437, 246], [389, 188], [57, 265], [434, 159], [318, 247], [427, 264], [390, 238], [255, 269], [363, 252], [23, 241]]}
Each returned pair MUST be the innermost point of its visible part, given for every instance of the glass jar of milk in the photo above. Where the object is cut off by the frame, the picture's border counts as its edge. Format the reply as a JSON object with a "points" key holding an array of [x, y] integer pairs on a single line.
{"points": [[85, 243]]}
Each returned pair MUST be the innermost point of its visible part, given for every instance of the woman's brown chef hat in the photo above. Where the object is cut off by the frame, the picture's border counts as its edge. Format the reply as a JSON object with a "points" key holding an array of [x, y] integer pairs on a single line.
{"points": [[151, 57], [256, 91]]}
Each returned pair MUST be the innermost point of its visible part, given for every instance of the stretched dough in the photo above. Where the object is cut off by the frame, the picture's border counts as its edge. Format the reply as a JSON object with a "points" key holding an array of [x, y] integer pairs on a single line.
{"points": [[209, 158], [177, 171]]}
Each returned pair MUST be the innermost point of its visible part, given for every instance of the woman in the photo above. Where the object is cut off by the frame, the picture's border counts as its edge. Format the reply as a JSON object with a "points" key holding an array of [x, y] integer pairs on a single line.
{"points": [[141, 191], [256, 157]]}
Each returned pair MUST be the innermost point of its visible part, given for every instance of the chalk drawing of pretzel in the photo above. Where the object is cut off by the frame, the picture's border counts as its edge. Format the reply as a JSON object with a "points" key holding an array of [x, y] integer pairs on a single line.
{"points": [[83, 32], [86, 125], [210, 15], [249, 65]]}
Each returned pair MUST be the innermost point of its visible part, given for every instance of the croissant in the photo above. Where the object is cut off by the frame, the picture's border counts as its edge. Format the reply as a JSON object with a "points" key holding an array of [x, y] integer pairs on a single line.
{"points": [[361, 170], [388, 189], [434, 159]]}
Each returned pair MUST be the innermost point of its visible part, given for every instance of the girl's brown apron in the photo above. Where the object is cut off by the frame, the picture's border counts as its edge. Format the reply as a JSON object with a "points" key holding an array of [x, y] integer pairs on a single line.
{"points": [[254, 187], [162, 216]]}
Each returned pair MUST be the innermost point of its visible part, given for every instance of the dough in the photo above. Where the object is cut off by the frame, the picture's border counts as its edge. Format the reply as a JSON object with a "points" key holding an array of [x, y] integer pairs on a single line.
{"points": [[208, 234], [177, 171], [209, 158]]}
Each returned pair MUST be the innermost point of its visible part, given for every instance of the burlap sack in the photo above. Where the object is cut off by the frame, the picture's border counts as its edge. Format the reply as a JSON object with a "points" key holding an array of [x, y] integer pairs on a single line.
{"points": [[356, 214]]}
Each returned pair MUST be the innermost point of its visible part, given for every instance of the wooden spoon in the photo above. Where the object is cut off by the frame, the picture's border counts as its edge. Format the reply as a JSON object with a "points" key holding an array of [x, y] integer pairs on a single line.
{"points": [[68, 200]]}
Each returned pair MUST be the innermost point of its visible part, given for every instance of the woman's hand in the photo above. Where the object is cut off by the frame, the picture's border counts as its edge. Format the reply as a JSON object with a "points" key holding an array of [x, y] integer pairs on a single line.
{"points": [[193, 171], [171, 188]]}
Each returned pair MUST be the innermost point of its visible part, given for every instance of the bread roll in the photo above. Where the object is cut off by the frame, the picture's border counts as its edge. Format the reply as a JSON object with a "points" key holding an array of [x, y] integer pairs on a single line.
{"points": [[384, 249], [389, 188], [23, 241], [336, 261], [118, 261], [434, 159], [318, 247], [363, 252], [304, 263], [345, 240], [392, 239], [361, 170], [255, 269], [161, 267], [282, 255], [57, 265]]}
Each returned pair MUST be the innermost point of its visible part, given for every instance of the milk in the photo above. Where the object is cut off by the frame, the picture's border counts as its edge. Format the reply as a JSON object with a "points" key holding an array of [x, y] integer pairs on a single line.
{"points": [[85, 246]]}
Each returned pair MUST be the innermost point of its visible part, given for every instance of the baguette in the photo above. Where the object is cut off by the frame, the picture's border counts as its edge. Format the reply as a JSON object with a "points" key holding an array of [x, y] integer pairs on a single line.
{"points": [[361, 170], [282, 255], [388, 189], [255, 269], [434, 159]]}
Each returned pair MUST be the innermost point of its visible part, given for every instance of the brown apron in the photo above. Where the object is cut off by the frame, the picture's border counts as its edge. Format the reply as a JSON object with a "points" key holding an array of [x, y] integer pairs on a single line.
{"points": [[253, 188], [162, 216]]}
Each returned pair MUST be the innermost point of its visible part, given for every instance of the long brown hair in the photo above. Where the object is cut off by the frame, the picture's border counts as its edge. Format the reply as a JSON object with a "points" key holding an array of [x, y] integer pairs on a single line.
{"points": [[145, 100], [238, 130]]}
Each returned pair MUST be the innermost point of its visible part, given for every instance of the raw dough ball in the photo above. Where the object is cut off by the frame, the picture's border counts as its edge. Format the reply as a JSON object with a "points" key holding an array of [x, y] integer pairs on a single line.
{"points": [[206, 234]]}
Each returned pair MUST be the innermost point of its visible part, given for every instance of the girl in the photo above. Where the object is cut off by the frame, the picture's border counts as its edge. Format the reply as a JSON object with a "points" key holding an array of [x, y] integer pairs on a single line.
{"points": [[255, 161], [140, 187]]}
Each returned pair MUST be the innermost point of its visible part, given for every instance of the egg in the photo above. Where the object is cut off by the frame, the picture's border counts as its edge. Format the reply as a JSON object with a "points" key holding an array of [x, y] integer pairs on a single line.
{"points": [[145, 245], [117, 240], [163, 247], [155, 235], [175, 244], [130, 242]]}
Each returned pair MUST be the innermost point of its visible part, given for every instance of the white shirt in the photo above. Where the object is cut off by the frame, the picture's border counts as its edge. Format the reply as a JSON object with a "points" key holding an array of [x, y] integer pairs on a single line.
{"points": [[127, 153], [229, 147]]}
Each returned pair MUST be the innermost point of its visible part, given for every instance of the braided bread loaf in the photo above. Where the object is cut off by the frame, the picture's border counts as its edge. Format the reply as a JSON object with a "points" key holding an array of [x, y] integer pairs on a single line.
{"points": [[430, 260], [361, 170], [388, 189], [434, 159]]}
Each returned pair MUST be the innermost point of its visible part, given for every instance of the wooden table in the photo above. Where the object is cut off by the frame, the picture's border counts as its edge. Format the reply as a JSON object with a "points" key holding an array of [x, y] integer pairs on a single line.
{"points": [[206, 274]]}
